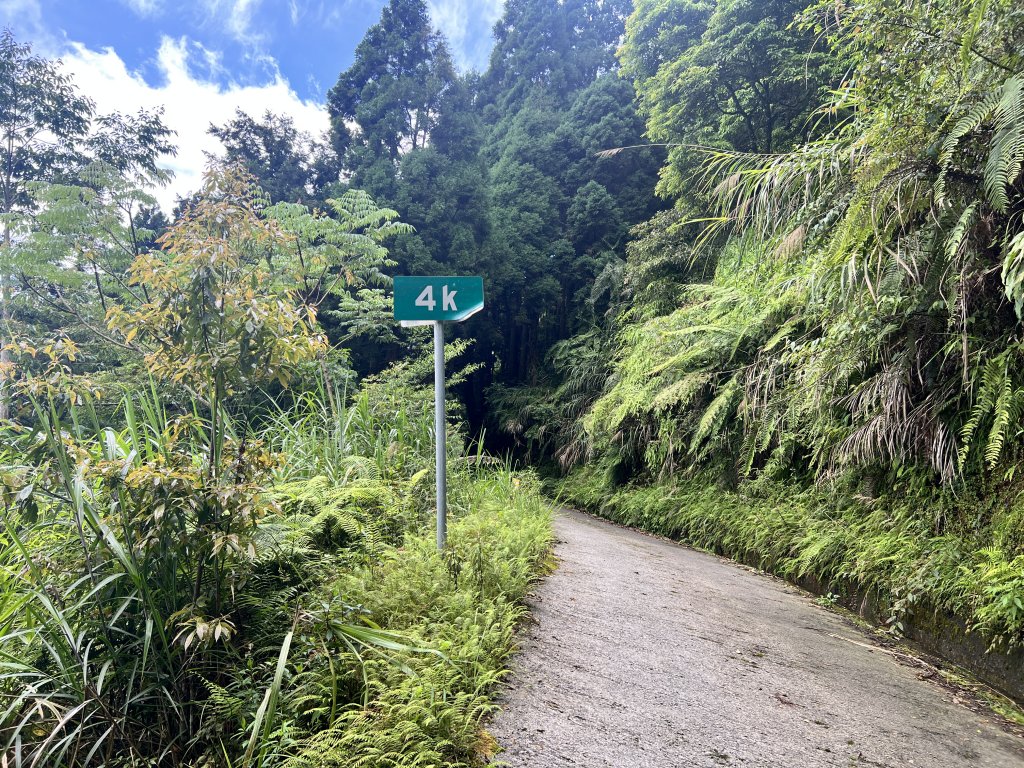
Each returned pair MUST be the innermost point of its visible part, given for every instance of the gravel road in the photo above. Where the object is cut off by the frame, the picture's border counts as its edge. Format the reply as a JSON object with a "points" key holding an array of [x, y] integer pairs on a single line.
{"points": [[644, 653]]}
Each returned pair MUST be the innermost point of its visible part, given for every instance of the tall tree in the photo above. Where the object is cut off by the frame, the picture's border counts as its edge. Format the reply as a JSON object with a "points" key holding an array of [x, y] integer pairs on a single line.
{"points": [[73, 185], [42, 120], [387, 102], [735, 74], [290, 165], [442, 191], [87, 228], [551, 102], [557, 48]]}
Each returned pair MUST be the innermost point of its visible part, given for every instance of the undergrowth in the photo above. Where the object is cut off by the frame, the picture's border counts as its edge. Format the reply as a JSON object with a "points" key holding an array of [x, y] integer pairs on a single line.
{"points": [[425, 708], [286, 607]]}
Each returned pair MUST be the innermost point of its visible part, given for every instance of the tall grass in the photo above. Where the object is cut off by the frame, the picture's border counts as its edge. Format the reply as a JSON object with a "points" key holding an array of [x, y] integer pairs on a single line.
{"points": [[124, 560], [323, 434], [287, 608]]}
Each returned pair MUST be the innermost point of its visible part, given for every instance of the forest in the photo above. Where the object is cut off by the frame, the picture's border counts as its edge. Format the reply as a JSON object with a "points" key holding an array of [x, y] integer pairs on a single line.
{"points": [[755, 281]]}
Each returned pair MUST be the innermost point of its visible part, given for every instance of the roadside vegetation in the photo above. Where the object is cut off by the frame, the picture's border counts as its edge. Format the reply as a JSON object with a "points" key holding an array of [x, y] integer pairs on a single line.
{"points": [[754, 277], [288, 608], [836, 541], [812, 362], [216, 538]]}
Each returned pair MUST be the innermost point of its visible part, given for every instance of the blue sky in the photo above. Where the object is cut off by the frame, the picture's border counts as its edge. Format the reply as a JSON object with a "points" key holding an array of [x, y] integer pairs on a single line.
{"points": [[202, 59]]}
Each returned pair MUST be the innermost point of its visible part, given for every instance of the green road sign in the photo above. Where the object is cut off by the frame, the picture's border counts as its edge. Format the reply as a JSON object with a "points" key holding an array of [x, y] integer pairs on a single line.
{"points": [[436, 301], [431, 299]]}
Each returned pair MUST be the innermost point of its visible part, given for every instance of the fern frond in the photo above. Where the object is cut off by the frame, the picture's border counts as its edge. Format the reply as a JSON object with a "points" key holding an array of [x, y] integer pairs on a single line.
{"points": [[717, 413], [978, 10], [1002, 415], [1005, 108], [1003, 166], [1013, 272], [958, 235], [998, 401], [968, 122]]}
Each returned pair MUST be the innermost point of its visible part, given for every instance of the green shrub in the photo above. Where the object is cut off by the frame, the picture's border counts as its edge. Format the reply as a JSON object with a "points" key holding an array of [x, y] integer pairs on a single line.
{"points": [[466, 606]]}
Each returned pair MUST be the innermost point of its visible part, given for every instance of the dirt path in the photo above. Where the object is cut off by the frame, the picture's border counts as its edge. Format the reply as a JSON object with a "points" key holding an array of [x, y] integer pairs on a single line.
{"points": [[644, 653]]}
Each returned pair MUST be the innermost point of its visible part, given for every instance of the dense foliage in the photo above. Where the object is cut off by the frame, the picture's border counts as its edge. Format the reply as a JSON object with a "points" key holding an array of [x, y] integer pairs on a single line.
{"points": [[754, 277], [812, 361], [216, 543], [174, 595], [192, 575], [497, 172]]}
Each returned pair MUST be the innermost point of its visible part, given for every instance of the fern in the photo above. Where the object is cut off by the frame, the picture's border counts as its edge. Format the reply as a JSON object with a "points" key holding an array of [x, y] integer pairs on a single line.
{"points": [[965, 124], [998, 401], [1005, 412], [336, 516], [717, 414], [977, 14], [957, 237], [224, 705], [1007, 153], [680, 394], [1013, 272], [1005, 108]]}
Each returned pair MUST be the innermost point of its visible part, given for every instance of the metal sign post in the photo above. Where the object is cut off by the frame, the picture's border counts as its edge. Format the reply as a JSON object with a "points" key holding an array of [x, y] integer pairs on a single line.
{"points": [[435, 301], [440, 437]]}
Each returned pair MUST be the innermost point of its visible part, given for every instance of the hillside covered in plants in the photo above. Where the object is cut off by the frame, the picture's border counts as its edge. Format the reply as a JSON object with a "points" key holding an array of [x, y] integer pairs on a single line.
{"points": [[812, 360], [754, 279]]}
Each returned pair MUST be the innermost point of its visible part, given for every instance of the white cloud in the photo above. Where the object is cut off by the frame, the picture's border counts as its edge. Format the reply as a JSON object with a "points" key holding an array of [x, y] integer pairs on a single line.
{"points": [[325, 13], [25, 18], [191, 103], [25, 9], [213, 60], [144, 7], [237, 18], [467, 24]]}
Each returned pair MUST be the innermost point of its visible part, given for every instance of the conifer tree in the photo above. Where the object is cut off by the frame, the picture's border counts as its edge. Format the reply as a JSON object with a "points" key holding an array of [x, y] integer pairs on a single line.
{"points": [[386, 104]]}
